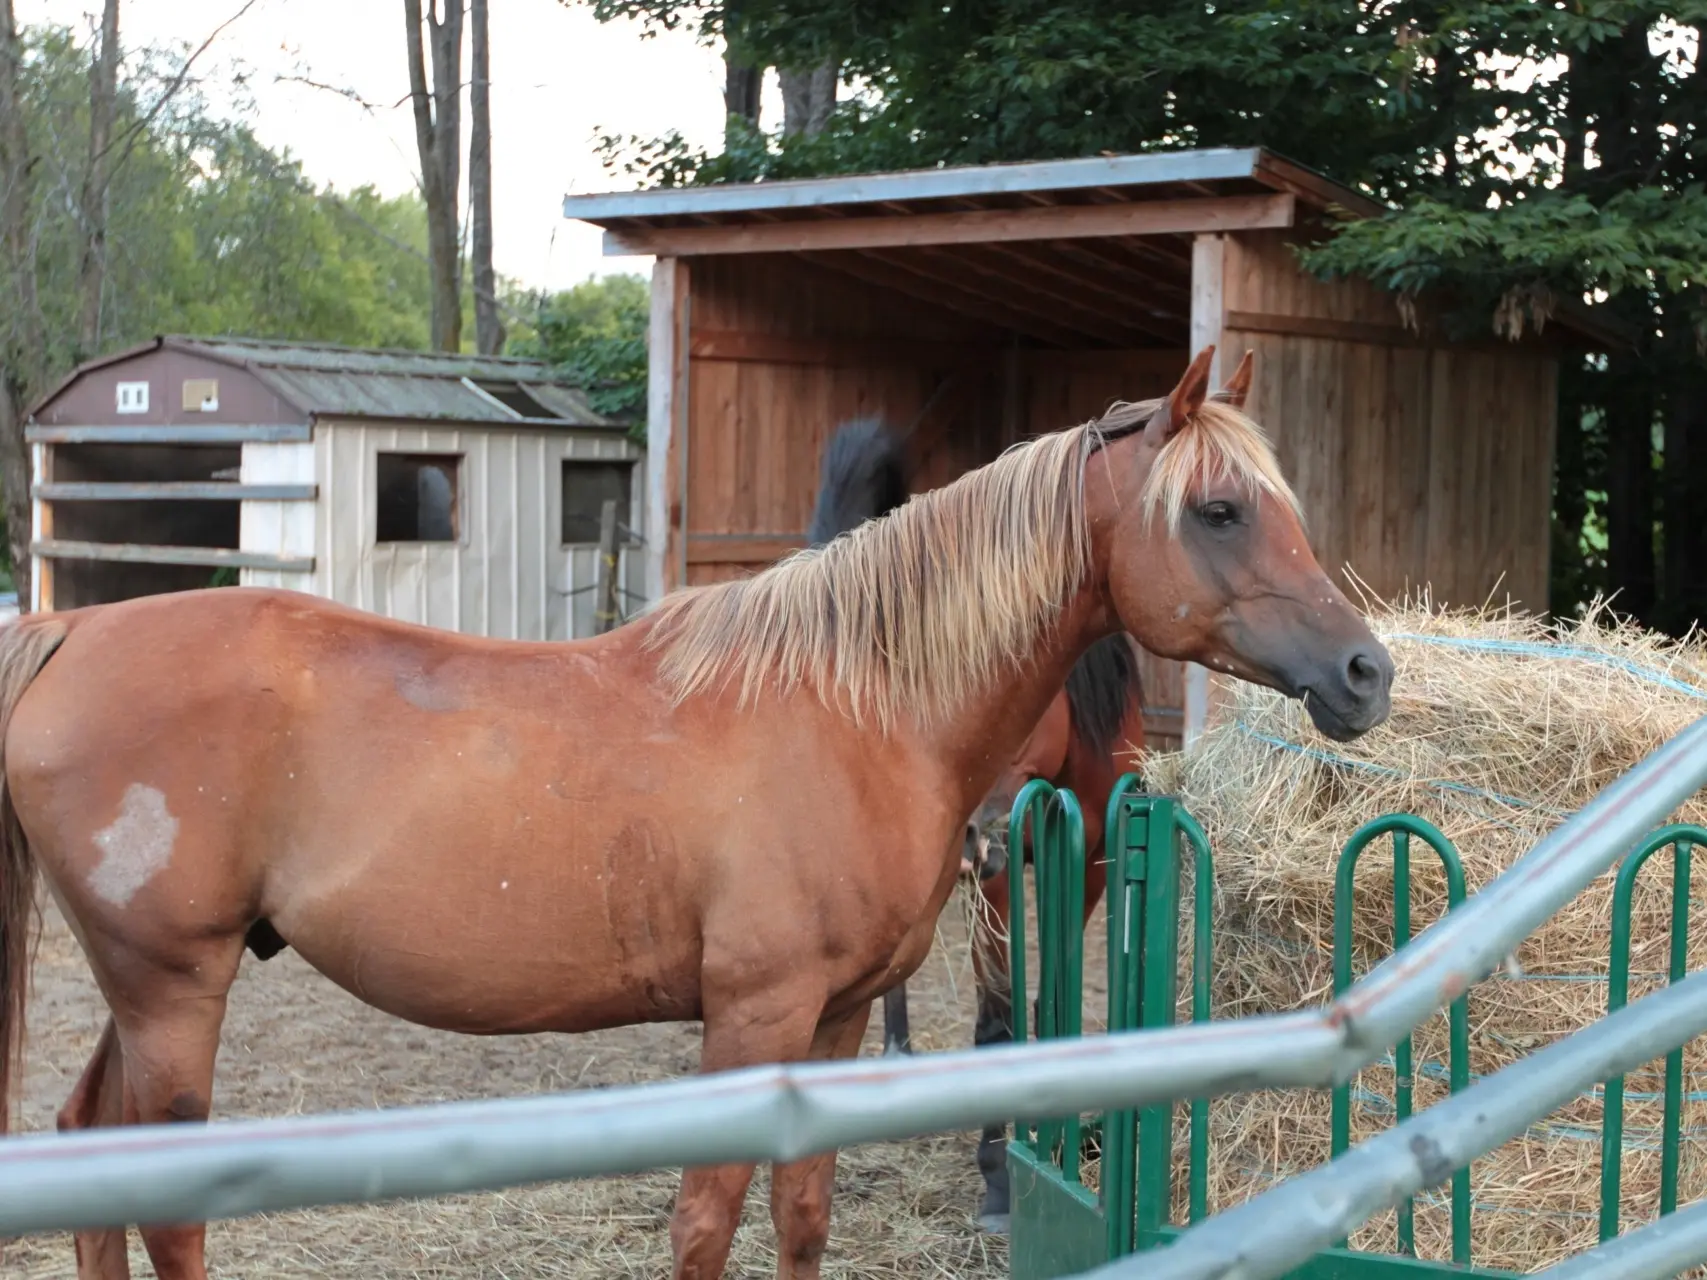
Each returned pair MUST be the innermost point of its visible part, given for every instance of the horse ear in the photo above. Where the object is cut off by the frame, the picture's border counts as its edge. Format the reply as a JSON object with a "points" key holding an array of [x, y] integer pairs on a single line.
{"points": [[1239, 385], [1183, 401]]}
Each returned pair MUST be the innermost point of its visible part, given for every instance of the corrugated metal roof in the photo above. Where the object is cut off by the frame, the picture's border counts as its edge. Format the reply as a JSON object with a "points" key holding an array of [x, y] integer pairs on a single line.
{"points": [[338, 381]]}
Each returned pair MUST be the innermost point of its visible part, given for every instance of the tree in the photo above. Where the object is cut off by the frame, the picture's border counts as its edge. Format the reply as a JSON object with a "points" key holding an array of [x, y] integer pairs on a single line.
{"points": [[438, 144], [205, 230], [595, 333], [23, 358], [488, 327], [92, 206], [1533, 153]]}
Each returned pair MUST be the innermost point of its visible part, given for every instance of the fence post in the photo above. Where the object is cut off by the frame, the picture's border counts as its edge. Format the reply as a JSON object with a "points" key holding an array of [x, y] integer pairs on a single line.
{"points": [[605, 614]]}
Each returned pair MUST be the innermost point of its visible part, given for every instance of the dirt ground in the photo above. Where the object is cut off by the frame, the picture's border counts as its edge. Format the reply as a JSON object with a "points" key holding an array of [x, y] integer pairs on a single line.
{"points": [[296, 1044]]}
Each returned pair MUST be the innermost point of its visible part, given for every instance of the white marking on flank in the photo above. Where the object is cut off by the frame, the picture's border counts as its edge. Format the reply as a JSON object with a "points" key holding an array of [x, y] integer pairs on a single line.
{"points": [[136, 847]]}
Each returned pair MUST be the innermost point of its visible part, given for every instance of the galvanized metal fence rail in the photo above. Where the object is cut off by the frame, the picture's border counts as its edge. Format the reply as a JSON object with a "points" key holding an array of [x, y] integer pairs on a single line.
{"points": [[160, 1173]]}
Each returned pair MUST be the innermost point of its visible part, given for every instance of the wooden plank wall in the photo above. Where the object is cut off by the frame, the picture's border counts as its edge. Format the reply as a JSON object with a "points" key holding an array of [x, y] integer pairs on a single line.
{"points": [[1418, 465], [782, 353]]}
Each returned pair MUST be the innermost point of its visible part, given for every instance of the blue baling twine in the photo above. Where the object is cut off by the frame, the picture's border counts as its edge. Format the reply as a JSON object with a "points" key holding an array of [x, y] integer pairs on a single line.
{"points": [[1575, 653], [1369, 766]]}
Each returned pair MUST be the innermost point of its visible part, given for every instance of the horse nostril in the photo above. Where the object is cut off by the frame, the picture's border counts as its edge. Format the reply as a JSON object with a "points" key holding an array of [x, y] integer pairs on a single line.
{"points": [[1362, 674]]}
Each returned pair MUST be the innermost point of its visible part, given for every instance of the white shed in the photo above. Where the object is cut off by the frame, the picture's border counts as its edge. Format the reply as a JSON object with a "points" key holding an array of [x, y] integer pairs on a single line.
{"points": [[459, 491]]}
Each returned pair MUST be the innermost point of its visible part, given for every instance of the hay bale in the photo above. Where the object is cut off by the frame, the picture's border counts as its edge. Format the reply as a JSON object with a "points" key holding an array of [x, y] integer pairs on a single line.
{"points": [[1501, 727]]}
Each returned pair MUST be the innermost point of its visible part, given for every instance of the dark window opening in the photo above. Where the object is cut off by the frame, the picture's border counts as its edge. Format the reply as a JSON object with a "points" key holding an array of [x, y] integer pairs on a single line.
{"points": [[515, 396], [149, 521], [417, 497], [587, 486]]}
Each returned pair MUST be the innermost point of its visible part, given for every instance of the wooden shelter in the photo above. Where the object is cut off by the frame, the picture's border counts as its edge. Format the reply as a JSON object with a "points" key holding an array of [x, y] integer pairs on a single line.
{"points": [[462, 492], [975, 306]]}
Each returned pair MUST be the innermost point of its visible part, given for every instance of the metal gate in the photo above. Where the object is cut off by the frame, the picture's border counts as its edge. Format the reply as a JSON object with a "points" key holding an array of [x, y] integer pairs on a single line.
{"points": [[1059, 1225]]}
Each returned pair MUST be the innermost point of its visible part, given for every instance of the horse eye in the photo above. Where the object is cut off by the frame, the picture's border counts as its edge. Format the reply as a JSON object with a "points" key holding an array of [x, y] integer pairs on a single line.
{"points": [[1218, 515]]}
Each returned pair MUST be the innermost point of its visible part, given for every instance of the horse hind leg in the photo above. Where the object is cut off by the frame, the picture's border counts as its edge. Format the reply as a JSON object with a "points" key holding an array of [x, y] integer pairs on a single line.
{"points": [[897, 1033], [99, 1101], [169, 1033], [995, 1025]]}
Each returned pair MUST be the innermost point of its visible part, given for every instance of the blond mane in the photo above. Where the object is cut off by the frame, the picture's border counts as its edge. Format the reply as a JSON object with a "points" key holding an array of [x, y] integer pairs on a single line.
{"points": [[866, 620]]}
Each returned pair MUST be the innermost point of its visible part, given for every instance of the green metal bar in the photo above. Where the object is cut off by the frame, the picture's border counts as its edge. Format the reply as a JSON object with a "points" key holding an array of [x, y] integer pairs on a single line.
{"points": [[1672, 1130], [1069, 848], [1018, 992], [1045, 847], [1403, 826], [1403, 1090], [1680, 836], [1202, 971], [1127, 828], [1160, 925]]}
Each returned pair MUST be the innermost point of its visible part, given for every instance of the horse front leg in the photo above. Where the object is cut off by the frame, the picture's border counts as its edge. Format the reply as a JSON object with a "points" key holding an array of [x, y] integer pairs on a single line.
{"points": [[801, 1190], [743, 1028]]}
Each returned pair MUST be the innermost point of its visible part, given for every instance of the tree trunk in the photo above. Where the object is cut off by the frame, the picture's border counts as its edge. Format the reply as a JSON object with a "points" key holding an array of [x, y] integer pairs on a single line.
{"points": [[23, 355], [808, 98], [1683, 582], [741, 85], [1630, 487], [92, 204], [742, 81], [488, 327], [438, 141]]}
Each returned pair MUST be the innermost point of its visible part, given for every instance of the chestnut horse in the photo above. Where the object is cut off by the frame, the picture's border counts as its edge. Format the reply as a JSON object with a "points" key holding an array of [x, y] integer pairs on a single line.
{"points": [[1090, 724], [493, 836]]}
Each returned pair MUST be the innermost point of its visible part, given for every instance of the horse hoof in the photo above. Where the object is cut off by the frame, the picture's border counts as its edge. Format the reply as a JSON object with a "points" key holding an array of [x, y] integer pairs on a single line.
{"points": [[995, 1224], [893, 1049]]}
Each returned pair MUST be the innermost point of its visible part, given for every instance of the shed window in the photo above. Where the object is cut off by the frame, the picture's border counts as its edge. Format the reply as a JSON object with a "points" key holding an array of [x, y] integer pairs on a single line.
{"points": [[587, 486], [417, 497]]}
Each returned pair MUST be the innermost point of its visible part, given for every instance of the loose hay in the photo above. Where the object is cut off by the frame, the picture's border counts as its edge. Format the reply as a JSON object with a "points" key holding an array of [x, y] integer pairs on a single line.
{"points": [[1500, 728]]}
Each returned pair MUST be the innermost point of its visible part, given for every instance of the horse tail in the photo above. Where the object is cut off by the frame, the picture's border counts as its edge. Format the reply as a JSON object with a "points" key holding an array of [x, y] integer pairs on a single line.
{"points": [[25, 647], [863, 476]]}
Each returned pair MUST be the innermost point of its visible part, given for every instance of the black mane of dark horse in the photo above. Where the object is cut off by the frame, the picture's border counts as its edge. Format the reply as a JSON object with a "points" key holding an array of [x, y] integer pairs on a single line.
{"points": [[863, 476]]}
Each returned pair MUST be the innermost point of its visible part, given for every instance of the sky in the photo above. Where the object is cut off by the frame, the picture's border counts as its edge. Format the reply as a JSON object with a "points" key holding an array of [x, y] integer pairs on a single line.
{"points": [[558, 78]]}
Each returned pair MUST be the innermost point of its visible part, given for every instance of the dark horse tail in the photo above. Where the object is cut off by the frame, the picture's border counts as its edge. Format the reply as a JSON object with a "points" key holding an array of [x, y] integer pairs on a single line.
{"points": [[25, 647], [863, 476]]}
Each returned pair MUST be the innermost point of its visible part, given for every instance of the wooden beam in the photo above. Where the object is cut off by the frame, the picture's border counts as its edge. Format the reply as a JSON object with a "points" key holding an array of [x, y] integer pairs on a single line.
{"points": [[229, 433], [999, 281], [1059, 222], [1276, 172], [1111, 300], [742, 548], [766, 348], [990, 290], [904, 279], [1208, 272], [174, 491], [1392, 335], [137, 553], [1369, 333]]}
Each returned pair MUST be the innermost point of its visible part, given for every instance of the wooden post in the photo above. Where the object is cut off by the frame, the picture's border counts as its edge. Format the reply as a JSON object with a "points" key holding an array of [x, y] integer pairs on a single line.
{"points": [[41, 521], [666, 429], [1208, 270], [605, 614]]}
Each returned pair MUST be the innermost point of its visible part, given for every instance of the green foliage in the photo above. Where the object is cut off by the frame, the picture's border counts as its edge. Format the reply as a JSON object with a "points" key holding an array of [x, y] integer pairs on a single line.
{"points": [[209, 231], [595, 334]]}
